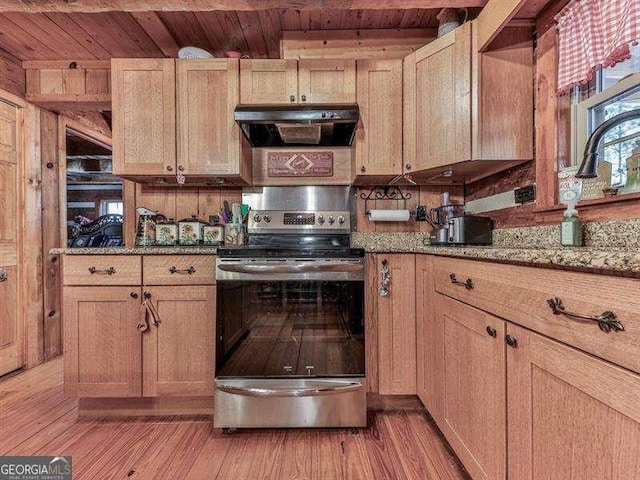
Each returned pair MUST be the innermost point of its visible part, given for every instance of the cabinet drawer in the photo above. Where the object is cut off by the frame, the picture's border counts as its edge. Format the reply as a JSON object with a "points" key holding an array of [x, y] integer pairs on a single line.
{"points": [[179, 269], [520, 294], [102, 270]]}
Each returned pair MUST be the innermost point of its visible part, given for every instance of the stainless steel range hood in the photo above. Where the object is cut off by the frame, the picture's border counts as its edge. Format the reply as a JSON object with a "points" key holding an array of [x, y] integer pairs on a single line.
{"points": [[298, 125]]}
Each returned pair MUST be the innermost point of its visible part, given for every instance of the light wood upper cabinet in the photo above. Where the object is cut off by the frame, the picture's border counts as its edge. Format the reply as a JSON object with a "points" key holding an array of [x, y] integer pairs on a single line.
{"points": [[570, 415], [268, 81], [379, 133], [297, 81], [175, 117], [179, 352], [144, 121], [462, 106], [474, 396], [395, 319], [209, 141], [102, 345]]}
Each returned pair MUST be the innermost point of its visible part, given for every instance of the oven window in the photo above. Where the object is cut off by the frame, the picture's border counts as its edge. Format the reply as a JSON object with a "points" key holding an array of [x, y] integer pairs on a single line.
{"points": [[290, 328]]}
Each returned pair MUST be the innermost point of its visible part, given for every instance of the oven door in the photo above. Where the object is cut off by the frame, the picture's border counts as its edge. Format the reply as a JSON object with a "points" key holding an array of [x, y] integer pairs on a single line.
{"points": [[290, 351]]}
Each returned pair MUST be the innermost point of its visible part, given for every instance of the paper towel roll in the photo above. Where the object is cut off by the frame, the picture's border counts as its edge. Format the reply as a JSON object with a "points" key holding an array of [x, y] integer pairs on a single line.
{"points": [[388, 215]]}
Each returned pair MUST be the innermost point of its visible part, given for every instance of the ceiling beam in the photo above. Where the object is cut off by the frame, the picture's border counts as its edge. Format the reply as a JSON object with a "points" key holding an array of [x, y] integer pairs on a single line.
{"points": [[91, 6]]}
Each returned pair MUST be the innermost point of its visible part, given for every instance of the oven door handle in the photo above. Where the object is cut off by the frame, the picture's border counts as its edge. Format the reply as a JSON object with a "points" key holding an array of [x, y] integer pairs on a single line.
{"points": [[316, 391], [301, 268]]}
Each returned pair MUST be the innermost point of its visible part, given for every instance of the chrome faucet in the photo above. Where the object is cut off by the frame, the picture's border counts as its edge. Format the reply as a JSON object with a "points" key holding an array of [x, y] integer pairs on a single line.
{"points": [[589, 166]]}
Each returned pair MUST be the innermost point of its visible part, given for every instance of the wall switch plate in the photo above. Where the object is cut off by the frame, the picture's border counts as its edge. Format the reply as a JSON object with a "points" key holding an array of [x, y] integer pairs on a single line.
{"points": [[525, 194]]}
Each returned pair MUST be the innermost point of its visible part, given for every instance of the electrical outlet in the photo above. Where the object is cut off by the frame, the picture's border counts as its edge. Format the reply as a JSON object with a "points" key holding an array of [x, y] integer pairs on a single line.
{"points": [[525, 194]]}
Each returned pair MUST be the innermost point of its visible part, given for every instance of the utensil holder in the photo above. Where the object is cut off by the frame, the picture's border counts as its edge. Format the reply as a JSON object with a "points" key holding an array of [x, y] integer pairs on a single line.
{"points": [[235, 234]]}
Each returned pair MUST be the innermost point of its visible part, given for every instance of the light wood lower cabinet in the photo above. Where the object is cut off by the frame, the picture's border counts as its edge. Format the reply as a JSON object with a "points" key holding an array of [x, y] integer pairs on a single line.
{"points": [[394, 317], [102, 345], [114, 347], [473, 387], [570, 415], [514, 403], [179, 352]]}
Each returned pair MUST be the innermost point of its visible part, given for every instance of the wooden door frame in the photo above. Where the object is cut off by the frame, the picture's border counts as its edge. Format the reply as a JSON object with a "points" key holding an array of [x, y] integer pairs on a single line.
{"points": [[65, 125]]}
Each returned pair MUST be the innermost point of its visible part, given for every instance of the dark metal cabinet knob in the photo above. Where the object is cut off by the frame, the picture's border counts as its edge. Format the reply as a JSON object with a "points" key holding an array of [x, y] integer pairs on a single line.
{"points": [[511, 341], [363, 169], [169, 168], [180, 168], [407, 166], [492, 332], [304, 98], [292, 98], [133, 295]]}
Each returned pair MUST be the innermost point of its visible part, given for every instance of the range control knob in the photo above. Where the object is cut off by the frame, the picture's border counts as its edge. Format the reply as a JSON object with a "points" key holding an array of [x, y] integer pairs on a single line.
{"points": [[257, 218], [320, 219], [340, 219], [267, 218], [331, 219]]}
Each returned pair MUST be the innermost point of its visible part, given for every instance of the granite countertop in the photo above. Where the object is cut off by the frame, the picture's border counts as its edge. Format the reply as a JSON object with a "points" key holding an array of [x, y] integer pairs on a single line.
{"points": [[611, 248], [177, 250], [603, 254]]}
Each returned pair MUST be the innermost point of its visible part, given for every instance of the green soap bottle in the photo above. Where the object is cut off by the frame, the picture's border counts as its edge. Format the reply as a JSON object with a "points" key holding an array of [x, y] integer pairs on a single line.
{"points": [[571, 229]]}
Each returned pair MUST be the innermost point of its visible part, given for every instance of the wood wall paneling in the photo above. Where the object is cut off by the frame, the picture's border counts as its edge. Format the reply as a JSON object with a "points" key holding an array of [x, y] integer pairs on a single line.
{"points": [[31, 235], [52, 304]]}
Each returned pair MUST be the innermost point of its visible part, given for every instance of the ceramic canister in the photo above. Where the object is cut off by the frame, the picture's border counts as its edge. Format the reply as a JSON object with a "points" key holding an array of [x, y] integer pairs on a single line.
{"points": [[167, 233], [190, 231], [213, 234]]}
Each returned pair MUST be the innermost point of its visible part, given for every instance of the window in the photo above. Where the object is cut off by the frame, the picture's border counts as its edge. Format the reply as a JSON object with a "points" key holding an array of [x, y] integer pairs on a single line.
{"points": [[111, 206], [614, 90]]}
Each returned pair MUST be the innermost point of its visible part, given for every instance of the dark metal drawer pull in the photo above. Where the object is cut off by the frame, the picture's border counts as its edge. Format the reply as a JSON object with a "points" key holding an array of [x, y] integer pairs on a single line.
{"points": [[108, 271], [607, 321], [189, 271], [468, 283], [3, 276], [492, 332]]}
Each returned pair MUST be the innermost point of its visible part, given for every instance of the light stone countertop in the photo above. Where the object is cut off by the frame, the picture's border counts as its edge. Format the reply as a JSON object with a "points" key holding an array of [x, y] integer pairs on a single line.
{"points": [[610, 260], [611, 248], [177, 250]]}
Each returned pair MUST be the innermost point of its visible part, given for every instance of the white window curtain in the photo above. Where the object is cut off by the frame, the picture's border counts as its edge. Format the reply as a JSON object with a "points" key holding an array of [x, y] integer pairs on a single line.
{"points": [[593, 34]]}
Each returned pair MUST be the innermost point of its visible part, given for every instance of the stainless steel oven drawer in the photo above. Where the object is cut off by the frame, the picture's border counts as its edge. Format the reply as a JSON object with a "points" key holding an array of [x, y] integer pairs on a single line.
{"points": [[290, 403]]}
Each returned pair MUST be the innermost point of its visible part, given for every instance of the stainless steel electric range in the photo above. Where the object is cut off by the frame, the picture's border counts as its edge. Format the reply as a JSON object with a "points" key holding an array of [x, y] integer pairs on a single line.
{"points": [[291, 349]]}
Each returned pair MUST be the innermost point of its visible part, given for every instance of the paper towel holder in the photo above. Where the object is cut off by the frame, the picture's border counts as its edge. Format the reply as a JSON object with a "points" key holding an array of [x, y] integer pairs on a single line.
{"points": [[385, 192]]}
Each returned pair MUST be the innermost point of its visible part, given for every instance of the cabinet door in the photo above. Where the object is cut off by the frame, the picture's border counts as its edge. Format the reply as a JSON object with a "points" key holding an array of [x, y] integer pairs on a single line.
{"points": [[430, 340], [379, 133], [474, 387], [327, 81], [268, 81], [397, 326], [143, 104], [438, 100], [179, 352], [102, 344], [208, 138], [11, 329], [571, 415]]}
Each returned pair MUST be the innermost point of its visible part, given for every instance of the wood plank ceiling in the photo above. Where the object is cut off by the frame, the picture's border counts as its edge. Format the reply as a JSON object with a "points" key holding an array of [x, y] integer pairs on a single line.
{"points": [[55, 35]]}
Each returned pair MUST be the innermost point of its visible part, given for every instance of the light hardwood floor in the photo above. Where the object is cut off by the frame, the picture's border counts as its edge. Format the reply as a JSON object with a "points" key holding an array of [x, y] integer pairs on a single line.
{"points": [[36, 419]]}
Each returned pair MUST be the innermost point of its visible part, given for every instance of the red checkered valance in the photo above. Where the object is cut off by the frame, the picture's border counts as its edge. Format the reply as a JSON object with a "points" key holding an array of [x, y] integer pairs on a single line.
{"points": [[591, 34]]}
